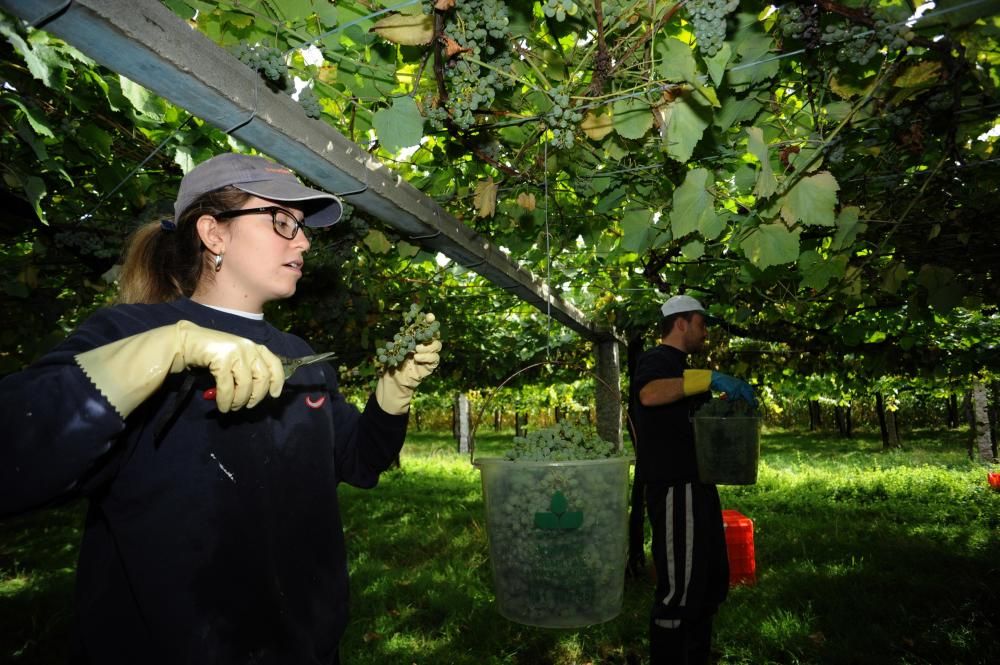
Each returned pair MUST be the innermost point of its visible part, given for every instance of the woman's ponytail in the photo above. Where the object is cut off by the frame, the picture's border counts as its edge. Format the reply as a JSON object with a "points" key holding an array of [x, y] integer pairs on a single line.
{"points": [[164, 261]]}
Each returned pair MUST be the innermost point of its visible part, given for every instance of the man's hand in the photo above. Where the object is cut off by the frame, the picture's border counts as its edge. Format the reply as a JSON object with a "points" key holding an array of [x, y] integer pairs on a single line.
{"points": [[733, 388]]}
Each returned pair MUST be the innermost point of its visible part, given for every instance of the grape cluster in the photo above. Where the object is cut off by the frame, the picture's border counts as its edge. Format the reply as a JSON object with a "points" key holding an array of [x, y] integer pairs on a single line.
{"points": [[859, 44], [562, 119], [86, 243], [836, 152], [616, 15], [565, 569], [310, 103], [559, 9], [722, 408], [708, 20], [418, 328], [801, 22], [567, 440], [481, 26], [267, 60], [941, 101]]}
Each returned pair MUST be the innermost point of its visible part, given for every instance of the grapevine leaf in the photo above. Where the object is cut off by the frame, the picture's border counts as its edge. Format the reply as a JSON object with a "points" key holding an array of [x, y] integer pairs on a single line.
{"points": [[327, 13], [377, 242], [146, 104], [677, 60], [771, 245], [485, 199], [238, 20], [636, 230], [406, 250], [694, 205], [919, 75], [406, 30], [736, 110], [597, 126], [943, 292], [185, 158], [678, 64], [96, 138], [36, 143], [811, 200], [894, 277], [717, 63], [710, 226], [753, 47], [632, 118], [34, 187], [35, 119], [767, 183], [693, 250], [848, 228], [40, 60], [685, 120], [817, 271], [400, 125]]}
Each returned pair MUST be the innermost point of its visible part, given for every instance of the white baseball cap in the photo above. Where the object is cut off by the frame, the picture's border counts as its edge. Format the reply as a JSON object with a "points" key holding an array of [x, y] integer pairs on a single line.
{"points": [[682, 304]]}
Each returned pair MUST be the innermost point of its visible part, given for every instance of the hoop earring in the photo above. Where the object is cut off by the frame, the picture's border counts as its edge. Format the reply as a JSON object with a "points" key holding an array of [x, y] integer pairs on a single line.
{"points": [[218, 262]]}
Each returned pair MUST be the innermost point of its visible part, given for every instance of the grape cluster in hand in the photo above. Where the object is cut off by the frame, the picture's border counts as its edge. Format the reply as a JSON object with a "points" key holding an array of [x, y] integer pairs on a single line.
{"points": [[264, 59], [418, 328], [708, 20]]}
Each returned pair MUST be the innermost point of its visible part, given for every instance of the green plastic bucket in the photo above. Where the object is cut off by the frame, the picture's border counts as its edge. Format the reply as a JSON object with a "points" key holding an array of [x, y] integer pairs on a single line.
{"points": [[727, 449], [558, 537]]}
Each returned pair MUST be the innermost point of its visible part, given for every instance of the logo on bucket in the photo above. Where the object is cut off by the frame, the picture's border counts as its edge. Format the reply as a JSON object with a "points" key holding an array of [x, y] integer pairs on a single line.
{"points": [[558, 518]]}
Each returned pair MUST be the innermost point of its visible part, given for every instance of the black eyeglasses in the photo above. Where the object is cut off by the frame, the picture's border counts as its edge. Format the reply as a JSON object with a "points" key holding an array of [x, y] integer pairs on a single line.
{"points": [[284, 221]]}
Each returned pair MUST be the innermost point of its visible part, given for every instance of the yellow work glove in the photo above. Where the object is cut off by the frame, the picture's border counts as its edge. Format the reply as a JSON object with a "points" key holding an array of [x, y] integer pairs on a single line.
{"points": [[697, 381], [395, 388], [700, 380], [130, 370]]}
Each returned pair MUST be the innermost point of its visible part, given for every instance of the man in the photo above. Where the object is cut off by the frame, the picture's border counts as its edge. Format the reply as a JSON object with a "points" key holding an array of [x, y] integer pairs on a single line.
{"points": [[689, 545]]}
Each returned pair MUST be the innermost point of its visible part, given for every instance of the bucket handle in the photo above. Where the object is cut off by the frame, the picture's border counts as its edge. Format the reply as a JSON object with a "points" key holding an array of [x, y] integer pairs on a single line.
{"points": [[486, 402]]}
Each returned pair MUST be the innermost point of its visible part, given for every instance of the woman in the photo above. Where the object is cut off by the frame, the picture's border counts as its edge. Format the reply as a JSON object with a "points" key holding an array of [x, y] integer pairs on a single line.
{"points": [[213, 533]]}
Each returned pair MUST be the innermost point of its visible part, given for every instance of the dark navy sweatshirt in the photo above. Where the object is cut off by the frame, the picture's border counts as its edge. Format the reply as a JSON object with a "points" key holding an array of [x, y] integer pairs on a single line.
{"points": [[218, 541]]}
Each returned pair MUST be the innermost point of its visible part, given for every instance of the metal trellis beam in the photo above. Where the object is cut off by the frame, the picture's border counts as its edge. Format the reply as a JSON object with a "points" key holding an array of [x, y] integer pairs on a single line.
{"points": [[144, 41]]}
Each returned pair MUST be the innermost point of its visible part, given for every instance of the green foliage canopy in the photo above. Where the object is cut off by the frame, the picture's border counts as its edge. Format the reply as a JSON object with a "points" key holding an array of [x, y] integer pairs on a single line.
{"points": [[822, 176]]}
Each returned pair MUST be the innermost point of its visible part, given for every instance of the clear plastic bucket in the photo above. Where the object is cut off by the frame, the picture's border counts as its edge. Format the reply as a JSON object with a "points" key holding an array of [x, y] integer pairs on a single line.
{"points": [[727, 449], [558, 536]]}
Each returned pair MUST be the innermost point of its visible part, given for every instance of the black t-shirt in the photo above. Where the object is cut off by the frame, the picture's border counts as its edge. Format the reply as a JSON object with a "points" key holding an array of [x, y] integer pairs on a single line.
{"points": [[665, 449]]}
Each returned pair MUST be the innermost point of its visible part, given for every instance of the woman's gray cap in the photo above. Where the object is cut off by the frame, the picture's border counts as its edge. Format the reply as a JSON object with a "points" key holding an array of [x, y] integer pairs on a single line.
{"points": [[260, 177]]}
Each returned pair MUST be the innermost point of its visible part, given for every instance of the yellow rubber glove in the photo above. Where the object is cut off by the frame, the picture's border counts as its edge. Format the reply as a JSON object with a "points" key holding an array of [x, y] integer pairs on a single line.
{"points": [[395, 388], [697, 381], [130, 370]]}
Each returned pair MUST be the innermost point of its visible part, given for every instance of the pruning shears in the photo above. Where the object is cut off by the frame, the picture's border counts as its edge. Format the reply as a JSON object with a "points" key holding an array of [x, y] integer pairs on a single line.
{"points": [[290, 365]]}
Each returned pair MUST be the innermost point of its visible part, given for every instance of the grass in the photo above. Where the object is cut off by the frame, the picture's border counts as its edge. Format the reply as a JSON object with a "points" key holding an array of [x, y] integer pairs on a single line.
{"points": [[863, 557]]}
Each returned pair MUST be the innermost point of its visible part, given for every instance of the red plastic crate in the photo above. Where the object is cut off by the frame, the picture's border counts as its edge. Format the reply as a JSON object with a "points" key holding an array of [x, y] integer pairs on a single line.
{"points": [[739, 546]]}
